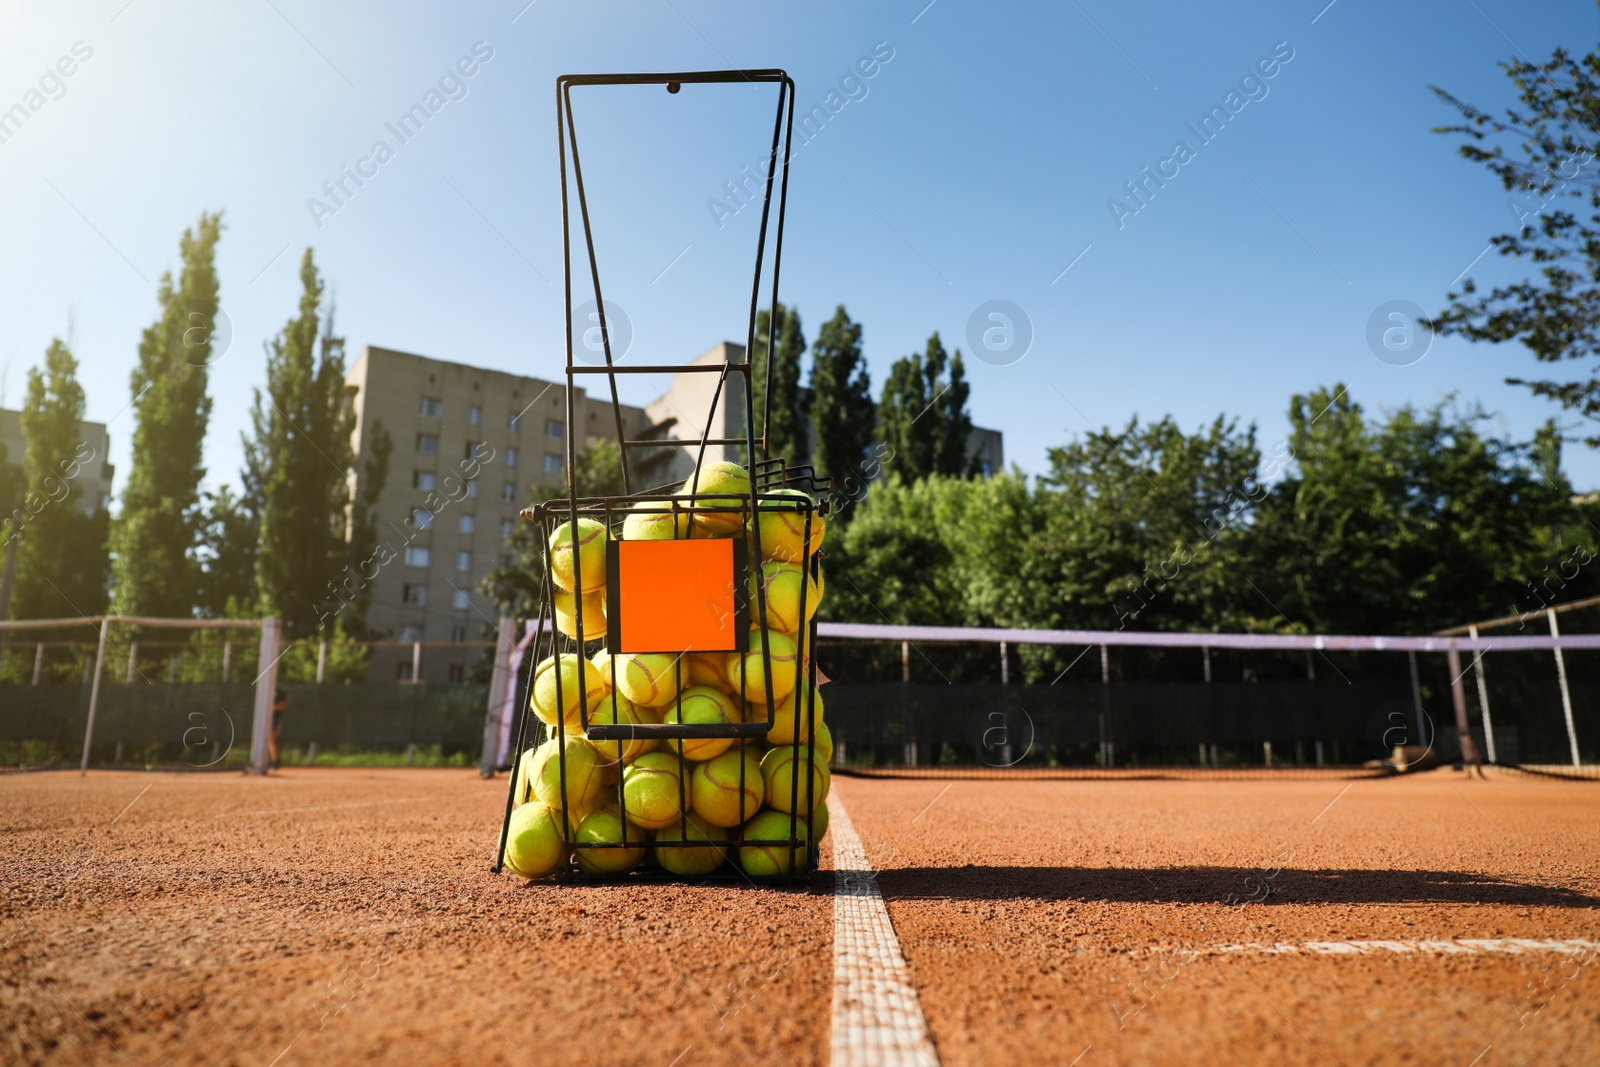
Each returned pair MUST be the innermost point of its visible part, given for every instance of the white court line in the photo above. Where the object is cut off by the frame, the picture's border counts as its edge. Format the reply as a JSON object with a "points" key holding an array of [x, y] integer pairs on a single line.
{"points": [[877, 1018], [1460, 946]]}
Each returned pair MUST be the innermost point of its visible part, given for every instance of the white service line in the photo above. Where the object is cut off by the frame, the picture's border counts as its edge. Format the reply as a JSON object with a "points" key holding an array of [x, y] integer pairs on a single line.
{"points": [[877, 1018], [1459, 946]]}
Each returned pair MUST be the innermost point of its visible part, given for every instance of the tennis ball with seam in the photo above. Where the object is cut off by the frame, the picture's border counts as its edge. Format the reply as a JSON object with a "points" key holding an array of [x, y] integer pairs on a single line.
{"points": [[590, 539]]}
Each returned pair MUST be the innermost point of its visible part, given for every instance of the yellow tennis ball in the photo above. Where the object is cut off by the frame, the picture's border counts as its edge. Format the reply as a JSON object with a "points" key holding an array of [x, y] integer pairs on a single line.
{"points": [[819, 821], [702, 705], [656, 520], [583, 773], [648, 678], [783, 584], [785, 666], [783, 730], [552, 709], [716, 793], [782, 527], [617, 710], [590, 559], [601, 661], [533, 844], [722, 485], [594, 614], [707, 668], [650, 787], [823, 743], [778, 770], [776, 856], [605, 826], [690, 861]]}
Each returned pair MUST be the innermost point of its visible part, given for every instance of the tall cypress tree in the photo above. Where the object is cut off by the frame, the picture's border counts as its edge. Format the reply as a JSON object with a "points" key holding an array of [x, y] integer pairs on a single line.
{"points": [[61, 566], [842, 411], [923, 416], [154, 539], [299, 461], [786, 429]]}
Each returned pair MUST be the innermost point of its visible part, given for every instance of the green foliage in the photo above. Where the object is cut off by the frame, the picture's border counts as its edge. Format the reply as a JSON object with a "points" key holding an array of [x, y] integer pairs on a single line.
{"points": [[62, 565], [1404, 524], [298, 463], [346, 663], [787, 428], [842, 412], [923, 414], [227, 557], [516, 584], [1417, 522], [1552, 174], [158, 529]]}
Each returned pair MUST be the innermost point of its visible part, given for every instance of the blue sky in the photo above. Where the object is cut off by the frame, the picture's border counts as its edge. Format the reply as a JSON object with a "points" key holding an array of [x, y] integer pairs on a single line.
{"points": [[975, 164]]}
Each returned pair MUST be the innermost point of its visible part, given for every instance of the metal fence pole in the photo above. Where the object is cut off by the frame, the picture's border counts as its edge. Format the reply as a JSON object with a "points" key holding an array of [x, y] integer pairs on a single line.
{"points": [[38, 662], [1416, 701], [1005, 665], [416, 662], [499, 681], [227, 660], [322, 660], [133, 662], [1483, 695], [266, 689], [1458, 694], [1566, 694], [905, 661], [94, 699]]}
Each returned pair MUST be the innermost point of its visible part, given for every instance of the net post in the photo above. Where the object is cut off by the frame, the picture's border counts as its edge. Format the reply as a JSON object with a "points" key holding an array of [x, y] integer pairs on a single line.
{"points": [[1483, 695], [416, 662], [1005, 665], [266, 687], [498, 682], [322, 660], [905, 661], [1416, 696], [38, 662], [94, 697], [227, 661], [1458, 695], [133, 662], [1566, 694]]}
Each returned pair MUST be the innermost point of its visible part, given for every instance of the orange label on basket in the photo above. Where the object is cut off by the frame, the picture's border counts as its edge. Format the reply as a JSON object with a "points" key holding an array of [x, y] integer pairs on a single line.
{"points": [[676, 596]]}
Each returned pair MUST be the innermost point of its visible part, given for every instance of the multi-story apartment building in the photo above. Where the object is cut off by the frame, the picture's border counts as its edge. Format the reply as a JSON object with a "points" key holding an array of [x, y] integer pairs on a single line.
{"points": [[469, 447]]}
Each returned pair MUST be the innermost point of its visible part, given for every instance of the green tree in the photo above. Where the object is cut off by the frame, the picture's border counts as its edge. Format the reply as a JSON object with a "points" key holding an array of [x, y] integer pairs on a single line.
{"points": [[155, 537], [842, 411], [516, 584], [1543, 155], [1416, 521], [786, 429], [923, 414], [299, 460], [227, 557], [364, 523], [62, 565]]}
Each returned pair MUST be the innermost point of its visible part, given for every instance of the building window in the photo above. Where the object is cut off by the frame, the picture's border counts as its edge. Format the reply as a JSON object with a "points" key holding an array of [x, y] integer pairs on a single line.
{"points": [[458, 674], [514, 422], [458, 634], [429, 408], [506, 528], [552, 464], [461, 602], [474, 416], [428, 442], [555, 429], [411, 633], [508, 492], [463, 561], [472, 488], [511, 457], [422, 480], [416, 555], [466, 524], [422, 519], [414, 594]]}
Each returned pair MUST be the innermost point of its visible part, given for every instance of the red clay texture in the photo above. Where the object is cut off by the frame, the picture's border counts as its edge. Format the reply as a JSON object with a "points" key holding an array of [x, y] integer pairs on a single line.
{"points": [[324, 916]]}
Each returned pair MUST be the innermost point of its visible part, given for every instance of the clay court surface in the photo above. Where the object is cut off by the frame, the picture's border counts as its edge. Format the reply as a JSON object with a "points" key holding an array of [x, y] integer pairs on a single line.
{"points": [[330, 916]]}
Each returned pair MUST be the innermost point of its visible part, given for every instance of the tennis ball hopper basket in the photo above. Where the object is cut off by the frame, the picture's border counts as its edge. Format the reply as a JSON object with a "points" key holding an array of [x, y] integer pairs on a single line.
{"points": [[672, 724]]}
